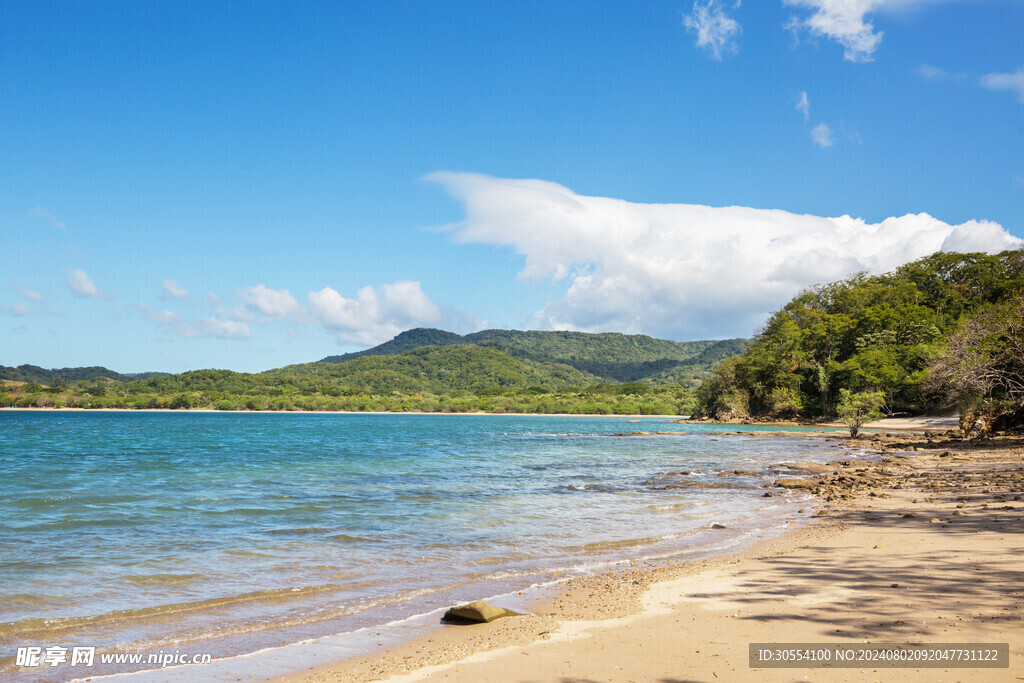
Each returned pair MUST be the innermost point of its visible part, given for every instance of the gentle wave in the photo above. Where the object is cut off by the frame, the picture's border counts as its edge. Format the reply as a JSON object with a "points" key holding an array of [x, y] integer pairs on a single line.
{"points": [[246, 530], [163, 579]]}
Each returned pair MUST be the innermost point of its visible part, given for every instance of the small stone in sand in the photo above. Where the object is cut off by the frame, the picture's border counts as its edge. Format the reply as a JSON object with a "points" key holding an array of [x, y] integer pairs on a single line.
{"points": [[478, 612]]}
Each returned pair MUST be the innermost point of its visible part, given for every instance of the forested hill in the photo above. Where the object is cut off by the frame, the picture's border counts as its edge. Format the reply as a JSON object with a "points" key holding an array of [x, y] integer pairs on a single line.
{"points": [[944, 332], [611, 357], [432, 371], [34, 373]]}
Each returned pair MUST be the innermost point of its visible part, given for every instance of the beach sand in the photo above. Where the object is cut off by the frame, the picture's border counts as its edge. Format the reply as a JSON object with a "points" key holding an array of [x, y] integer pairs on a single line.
{"points": [[924, 546]]}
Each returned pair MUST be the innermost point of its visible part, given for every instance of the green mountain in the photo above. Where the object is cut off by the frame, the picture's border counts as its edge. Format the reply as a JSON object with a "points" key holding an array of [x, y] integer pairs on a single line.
{"points": [[34, 373], [432, 371], [426, 369], [944, 331], [609, 357], [405, 341]]}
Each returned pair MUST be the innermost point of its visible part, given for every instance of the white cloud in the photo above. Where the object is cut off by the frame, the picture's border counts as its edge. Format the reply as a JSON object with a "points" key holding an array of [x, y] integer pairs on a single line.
{"points": [[822, 135], [1018, 182], [40, 212], [275, 303], [716, 31], [369, 320], [219, 327], [173, 289], [373, 316], [82, 285], [19, 310], [1012, 81], [406, 302], [846, 22], [803, 105], [30, 294], [842, 21], [685, 271], [934, 73]]}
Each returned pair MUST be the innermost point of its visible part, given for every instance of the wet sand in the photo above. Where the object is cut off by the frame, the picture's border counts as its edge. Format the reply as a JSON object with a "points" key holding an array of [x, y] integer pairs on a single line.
{"points": [[924, 545]]}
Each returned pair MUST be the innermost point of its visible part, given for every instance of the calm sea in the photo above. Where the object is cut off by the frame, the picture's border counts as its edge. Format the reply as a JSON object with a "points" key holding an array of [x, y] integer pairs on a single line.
{"points": [[228, 533]]}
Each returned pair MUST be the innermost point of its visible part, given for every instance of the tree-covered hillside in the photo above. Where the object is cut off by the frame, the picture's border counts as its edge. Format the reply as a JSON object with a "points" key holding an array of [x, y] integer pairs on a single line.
{"points": [[429, 368], [493, 371], [463, 378], [887, 333], [34, 373], [611, 357], [403, 342]]}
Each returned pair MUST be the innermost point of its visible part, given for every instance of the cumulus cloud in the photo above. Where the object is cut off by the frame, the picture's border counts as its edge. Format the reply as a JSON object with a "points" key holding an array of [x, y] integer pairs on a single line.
{"points": [[685, 271], [220, 327], [82, 285], [716, 31], [369, 319], [803, 105], [173, 289], [277, 304], [1013, 82], [822, 135], [406, 303], [40, 212]]}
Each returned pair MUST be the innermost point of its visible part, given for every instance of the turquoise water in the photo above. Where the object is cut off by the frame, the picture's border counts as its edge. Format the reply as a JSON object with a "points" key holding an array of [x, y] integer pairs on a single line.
{"points": [[233, 532]]}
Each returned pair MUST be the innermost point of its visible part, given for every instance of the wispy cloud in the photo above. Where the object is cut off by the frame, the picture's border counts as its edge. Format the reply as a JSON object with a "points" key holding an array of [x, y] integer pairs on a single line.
{"points": [[173, 290], [17, 310], [848, 22], [803, 105], [822, 135], [715, 30], [40, 212], [685, 271], [934, 73], [30, 294], [82, 285], [1013, 82], [842, 21], [218, 327]]}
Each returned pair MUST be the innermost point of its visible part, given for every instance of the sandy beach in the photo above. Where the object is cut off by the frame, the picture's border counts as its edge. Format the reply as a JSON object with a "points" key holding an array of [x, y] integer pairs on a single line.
{"points": [[922, 546]]}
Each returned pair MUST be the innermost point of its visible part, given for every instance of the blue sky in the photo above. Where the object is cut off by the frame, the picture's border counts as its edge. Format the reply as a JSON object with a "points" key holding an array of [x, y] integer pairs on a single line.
{"points": [[234, 185]]}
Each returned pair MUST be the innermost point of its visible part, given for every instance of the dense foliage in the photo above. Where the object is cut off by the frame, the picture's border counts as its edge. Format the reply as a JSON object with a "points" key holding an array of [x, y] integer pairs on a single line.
{"points": [[61, 376], [403, 342], [610, 357], [490, 375], [881, 333]]}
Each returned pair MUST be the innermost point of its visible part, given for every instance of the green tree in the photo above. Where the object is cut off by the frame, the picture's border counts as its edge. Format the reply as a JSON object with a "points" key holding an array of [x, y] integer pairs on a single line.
{"points": [[855, 409]]}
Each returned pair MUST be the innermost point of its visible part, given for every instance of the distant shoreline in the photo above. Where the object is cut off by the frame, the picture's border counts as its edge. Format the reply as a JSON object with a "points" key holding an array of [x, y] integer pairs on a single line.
{"points": [[921, 423], [324, 412]]}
